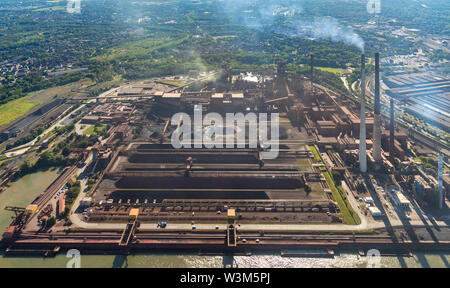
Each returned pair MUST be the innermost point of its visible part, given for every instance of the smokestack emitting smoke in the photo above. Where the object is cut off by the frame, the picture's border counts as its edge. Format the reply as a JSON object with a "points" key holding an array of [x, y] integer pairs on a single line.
{"points": [[391, 134], [377, 118], [362, 128]]}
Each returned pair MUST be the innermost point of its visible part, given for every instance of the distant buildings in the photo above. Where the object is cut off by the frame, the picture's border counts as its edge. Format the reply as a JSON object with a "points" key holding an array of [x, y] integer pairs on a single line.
{"points": [[109, 113], [130, 91], [426, 188], [426, 96]]}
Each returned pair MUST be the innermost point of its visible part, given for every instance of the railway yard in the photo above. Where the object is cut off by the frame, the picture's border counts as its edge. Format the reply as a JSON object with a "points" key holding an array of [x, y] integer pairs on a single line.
{"points": [[423, 91]]}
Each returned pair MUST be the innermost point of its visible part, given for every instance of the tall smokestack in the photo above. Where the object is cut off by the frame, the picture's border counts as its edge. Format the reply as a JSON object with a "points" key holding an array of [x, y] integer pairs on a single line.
{"points": [[391, 132], [377, 118], [362, 127], [312, 73]]}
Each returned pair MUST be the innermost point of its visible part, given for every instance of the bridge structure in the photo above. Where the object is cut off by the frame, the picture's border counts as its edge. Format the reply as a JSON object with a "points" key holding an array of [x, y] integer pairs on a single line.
{"points": [[20, 218], [130, 229]]}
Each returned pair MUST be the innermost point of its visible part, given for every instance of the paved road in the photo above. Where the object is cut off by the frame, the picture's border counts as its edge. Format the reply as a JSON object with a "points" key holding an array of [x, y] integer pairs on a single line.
{"points": [[83, 183], [248, 227]]}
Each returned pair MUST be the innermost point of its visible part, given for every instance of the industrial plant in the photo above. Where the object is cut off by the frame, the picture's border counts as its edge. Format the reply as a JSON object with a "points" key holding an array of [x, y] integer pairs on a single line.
{"points": [[341, 166]]}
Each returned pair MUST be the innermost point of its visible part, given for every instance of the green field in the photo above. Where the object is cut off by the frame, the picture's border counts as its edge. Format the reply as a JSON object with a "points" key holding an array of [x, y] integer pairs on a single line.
{"points": [[349, 216], [20, 107], [94, 130], [139, 49], [16, 109], [331, 70], [316, 154]]}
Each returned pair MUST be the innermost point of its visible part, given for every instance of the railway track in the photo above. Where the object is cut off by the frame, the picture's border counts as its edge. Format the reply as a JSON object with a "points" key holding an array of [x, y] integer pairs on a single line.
{"points": [[54, 187], [249, 237], [214, 203]]}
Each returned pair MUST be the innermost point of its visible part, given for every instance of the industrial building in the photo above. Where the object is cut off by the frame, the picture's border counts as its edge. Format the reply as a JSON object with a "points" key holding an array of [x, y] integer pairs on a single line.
{"points": [[145, 171], [329, 146], [375, 212], [426, 96], [398, 198]]}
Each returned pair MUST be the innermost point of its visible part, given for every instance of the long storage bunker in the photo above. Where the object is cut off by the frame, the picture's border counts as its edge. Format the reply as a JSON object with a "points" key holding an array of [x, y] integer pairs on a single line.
{"points": [[208, 183], [143, 195], [199, 158]]}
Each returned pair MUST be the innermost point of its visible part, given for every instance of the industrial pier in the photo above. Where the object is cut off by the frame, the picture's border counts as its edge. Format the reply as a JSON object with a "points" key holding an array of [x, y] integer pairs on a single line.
{"points": [[104, 242]]}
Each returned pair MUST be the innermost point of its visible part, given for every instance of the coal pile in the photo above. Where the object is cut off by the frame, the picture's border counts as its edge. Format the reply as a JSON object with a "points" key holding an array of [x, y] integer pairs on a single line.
{"points": [[199, 158], [142, 195], [208, 183], [154, 146]]}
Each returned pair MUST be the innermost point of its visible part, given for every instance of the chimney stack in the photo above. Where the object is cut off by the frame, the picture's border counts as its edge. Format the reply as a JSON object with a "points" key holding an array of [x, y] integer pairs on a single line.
{"points": [[391, 133], [312, 73], [377, 118], [362, 128]]}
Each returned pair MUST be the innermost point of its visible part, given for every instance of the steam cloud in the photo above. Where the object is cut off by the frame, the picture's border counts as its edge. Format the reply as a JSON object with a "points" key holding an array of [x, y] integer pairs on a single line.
{"points": [[263, 15], [329, 28]]}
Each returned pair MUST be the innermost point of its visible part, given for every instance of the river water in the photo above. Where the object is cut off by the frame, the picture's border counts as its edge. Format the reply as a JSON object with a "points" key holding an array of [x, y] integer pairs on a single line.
{"points": [[22, 192]]}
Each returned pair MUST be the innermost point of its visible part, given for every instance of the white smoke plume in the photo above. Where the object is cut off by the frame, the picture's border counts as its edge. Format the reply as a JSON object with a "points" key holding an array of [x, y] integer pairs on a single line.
{"points": [[263, 15], [328, 28]]}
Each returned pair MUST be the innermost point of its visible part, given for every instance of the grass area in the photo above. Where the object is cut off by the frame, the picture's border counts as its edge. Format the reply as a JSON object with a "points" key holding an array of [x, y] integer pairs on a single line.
{"points": [[316, 154], [15, 109], [140, 49], [94, 130], [71, 196], [350, 217], [348, 214], [331, 70]]}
